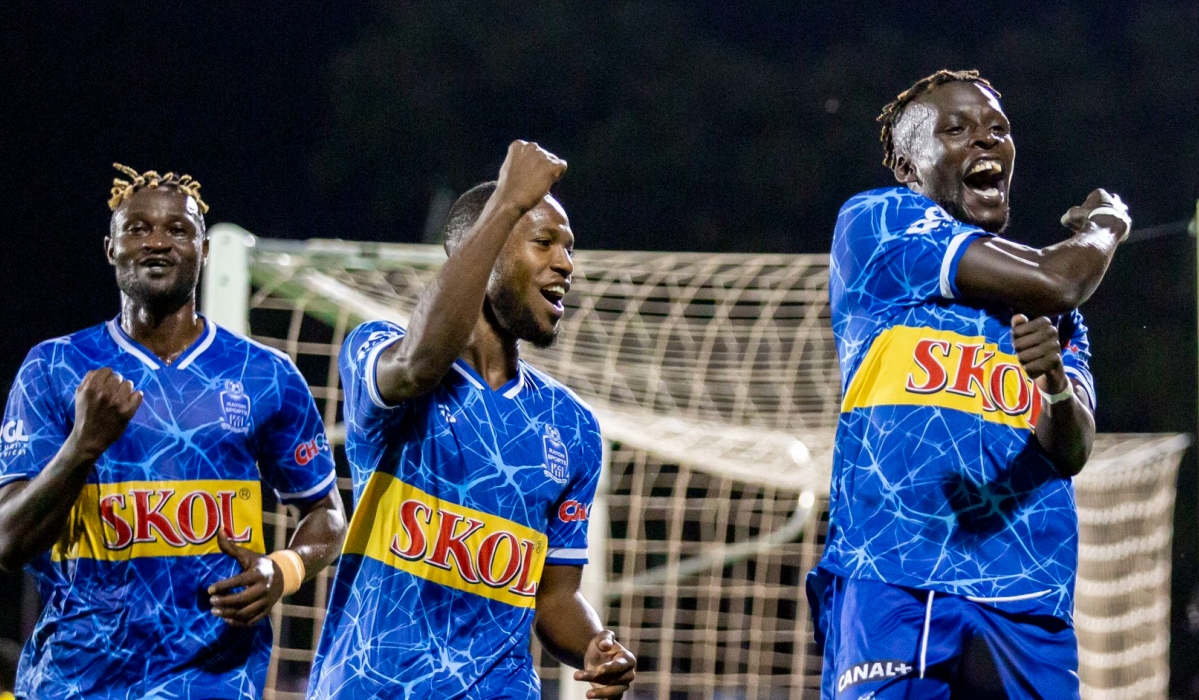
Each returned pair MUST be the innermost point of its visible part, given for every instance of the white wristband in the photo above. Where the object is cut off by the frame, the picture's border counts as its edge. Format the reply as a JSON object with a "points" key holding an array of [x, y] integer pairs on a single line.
{"points": [[1061, 395], [1113, 211]]}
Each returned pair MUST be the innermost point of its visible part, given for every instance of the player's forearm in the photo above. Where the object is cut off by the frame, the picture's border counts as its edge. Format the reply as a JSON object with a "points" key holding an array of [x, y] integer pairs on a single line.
{"points": [[1039, 282], [1066, 431], [33, 513], [565, 625], [320, 533], [446, 314]]}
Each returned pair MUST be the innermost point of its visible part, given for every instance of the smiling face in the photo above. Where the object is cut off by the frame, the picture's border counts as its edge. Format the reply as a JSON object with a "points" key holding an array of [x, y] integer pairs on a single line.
{"points": [[954, 145], [157, 245], [532, 275]]}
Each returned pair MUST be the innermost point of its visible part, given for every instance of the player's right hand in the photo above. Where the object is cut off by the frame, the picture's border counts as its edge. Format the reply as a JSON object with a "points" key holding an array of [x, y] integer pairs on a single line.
{"points": [[105, 402], [1076, 218], [528, 173]]}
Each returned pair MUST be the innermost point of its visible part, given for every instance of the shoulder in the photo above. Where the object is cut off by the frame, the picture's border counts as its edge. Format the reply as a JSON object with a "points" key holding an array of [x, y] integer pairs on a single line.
{"points": [[254, 351], [367, 336], [893, 212], [79, 345]]}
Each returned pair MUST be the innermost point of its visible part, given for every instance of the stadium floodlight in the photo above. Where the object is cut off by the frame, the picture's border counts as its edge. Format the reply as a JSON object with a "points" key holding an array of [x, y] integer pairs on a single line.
{"points": [[716, 382]]}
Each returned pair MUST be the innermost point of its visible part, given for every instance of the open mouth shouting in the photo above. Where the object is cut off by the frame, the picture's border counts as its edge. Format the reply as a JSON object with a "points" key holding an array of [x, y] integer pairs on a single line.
{"points": [[986, 180], [554, 294]]}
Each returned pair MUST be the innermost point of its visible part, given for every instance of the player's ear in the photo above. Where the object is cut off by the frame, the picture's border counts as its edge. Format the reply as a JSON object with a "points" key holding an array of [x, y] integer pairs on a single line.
{"points": [[108, 252], [904, 170], [204, 251]]}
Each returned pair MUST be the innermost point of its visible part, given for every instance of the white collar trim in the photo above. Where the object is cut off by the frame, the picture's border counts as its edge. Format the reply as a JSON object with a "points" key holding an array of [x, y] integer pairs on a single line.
{"points": [[119, 338]]}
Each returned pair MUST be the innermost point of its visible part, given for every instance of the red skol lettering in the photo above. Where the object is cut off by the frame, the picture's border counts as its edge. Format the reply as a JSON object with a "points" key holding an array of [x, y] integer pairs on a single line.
{"points": [[410, 512], [227, 519], [183, 528], [146, 518], [971, 373], [1023, 392], [123, 531], [501, 559], [937, 378]]}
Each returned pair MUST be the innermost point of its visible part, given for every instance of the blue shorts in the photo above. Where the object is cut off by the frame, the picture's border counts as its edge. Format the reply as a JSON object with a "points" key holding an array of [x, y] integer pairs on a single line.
{"points": [[883, 642]]}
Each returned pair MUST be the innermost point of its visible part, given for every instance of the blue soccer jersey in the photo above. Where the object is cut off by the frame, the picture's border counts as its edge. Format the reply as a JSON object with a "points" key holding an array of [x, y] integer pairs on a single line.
{"points": [[461, 495], [126, 609], [938, 481]]}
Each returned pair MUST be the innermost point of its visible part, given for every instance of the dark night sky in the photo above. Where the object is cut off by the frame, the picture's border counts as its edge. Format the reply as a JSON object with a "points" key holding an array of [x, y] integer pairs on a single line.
{"points": [[707, 125]]}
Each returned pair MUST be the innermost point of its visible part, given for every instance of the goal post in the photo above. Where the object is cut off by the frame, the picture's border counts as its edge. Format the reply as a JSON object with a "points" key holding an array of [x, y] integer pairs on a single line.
{"points": [[715, 380]]}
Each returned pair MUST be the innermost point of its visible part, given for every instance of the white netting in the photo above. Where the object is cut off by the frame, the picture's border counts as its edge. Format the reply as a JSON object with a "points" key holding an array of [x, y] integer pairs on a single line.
{"points": [[715, 380]]}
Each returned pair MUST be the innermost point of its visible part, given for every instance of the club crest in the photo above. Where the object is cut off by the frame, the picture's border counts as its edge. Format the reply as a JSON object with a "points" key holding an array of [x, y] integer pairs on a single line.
{"points": [[235, 407], [557, 461]]}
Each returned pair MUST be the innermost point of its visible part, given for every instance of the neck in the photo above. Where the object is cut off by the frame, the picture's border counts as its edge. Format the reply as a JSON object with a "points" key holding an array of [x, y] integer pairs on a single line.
{"points": [[164, 332], [492, 352]]}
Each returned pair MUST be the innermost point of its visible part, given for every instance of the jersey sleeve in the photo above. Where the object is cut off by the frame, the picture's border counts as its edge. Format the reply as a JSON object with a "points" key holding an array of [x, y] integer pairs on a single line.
{"points": [[1076, 355], [567, 531], [294, 455], [35, 422], [907, 247], [365, 409]]}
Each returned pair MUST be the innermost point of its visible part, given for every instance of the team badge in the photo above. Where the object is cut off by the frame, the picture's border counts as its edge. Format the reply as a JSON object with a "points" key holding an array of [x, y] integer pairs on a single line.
{"points": [[557, 461], [235, 406]]}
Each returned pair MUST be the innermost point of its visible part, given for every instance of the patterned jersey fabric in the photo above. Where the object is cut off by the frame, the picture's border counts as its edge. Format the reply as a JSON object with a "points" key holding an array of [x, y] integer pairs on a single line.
{"points": [[938, 480], [461, 495], [126, 609]]}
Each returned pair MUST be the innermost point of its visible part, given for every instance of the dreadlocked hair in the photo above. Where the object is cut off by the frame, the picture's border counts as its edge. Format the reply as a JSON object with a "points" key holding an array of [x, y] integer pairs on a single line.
{"points": [[124, 189], [894, 110]]}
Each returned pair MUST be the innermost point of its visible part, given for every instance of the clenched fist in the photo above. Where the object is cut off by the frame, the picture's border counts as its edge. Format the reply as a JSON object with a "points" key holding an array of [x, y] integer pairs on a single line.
{"points": [[1039, 348], [528, 173], [1076, 218], [105, 402]]}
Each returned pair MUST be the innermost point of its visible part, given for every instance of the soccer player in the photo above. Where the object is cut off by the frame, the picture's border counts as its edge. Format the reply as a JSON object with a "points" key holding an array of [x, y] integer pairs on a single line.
{"points": [[131, 460], [953, 539], [473, 472]]}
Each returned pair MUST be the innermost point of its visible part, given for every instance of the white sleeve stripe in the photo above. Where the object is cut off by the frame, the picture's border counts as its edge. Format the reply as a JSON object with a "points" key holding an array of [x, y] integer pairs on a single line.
{"points": [[372, 360], [950, 253], [5, 480], [308, 492], [568, 554]]}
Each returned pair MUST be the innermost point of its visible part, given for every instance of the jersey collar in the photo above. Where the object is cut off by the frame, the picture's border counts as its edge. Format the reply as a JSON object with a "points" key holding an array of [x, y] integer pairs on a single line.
{"points": [[508, 391], [147, 358]]}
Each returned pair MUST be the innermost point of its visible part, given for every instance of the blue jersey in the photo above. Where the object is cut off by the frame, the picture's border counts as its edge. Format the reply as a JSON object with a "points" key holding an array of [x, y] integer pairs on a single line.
{"points": [[938, 481], [461, 495], [126, 609]]}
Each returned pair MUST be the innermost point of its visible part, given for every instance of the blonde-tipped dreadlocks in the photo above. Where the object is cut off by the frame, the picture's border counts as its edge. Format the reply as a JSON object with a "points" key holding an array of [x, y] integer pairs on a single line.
{"points": [[124, 189], [893, 111]]}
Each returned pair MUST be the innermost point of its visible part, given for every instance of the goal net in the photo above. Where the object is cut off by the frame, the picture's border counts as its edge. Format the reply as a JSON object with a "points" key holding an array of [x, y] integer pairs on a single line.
{"points": [[715, 380]]}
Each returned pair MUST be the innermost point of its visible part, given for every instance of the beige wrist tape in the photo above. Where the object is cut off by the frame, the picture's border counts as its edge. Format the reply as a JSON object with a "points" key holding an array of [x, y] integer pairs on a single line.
{"points": [[292, 567]]}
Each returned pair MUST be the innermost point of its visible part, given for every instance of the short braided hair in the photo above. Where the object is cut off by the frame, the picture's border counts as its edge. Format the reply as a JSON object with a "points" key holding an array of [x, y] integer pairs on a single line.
{"points": [[465, 212], [894, 110], [124, 189]]}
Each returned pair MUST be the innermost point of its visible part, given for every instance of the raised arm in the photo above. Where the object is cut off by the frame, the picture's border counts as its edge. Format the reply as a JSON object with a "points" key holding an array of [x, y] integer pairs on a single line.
{"points": [[1051, 280], [33, 513], [447, 312]]}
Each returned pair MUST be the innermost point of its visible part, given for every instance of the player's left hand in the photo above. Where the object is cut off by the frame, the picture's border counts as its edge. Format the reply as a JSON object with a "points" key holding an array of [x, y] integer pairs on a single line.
{"points": [[261, 582], [1039, 348], [608, 666]]}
